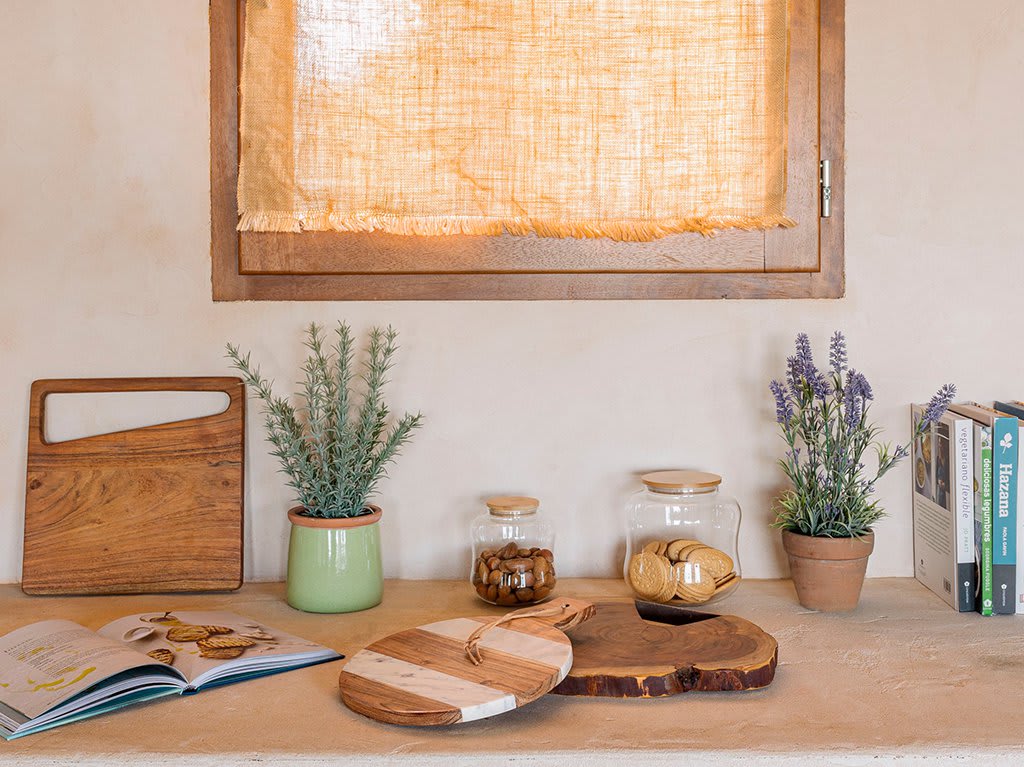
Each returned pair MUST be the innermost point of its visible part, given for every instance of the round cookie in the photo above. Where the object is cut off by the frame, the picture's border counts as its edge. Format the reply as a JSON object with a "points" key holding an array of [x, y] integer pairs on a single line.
{"points": [[648, 574], [672, 552], [656, 547], [690, 573], [668, 592], [693, 596], [684, 553], [727, 584], [694, 592], [714, 563]]}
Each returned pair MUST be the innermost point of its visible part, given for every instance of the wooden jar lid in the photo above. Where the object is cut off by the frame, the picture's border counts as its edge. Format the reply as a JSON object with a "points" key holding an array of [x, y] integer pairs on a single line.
{"points": [[667, 481], [510, 504]]}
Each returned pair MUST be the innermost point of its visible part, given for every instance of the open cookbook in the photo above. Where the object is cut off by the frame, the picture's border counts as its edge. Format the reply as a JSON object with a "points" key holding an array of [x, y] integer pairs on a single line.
{"points": [[55, 672]]}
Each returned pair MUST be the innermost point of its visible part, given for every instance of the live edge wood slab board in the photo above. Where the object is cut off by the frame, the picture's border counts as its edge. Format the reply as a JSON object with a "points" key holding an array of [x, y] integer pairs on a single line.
{"points": [[648, 650], [156, 509], [423, 676]]}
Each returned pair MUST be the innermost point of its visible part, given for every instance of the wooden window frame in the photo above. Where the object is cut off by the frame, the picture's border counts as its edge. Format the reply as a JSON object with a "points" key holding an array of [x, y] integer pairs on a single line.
{"points": [[386, 267]]}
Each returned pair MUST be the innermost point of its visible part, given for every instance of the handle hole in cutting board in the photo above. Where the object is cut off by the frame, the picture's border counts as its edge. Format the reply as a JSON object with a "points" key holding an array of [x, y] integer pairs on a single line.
{"points": [[672, 615], [89, 414]]}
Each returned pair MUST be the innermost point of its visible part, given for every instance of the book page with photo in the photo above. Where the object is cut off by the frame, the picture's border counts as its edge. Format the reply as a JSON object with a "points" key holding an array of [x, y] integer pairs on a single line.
{"points": [[207, 645]]}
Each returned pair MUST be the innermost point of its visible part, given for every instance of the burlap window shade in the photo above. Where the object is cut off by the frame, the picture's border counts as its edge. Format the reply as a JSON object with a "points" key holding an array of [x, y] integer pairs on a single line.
{"points": [[630, 119]]}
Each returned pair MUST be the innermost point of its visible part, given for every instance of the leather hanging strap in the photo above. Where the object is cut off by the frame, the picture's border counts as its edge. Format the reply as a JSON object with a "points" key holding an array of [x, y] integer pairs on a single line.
{"points": [[473, 640]]}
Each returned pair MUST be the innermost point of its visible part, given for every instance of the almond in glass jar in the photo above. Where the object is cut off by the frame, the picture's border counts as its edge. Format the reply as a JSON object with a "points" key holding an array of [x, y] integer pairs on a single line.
{"points": [[513, 559]]}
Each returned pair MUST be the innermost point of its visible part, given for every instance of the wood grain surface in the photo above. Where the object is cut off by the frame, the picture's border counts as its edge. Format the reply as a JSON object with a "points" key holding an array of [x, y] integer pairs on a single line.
{"points": [[155, 509], [423, 676], [620, 654]]}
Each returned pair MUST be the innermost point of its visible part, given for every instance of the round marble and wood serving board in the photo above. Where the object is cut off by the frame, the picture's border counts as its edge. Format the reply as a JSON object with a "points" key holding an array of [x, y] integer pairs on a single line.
{"points": [[647, 650], [423, 676]]}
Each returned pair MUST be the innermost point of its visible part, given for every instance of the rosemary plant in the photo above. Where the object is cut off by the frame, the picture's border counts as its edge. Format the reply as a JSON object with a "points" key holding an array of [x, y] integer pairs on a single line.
{"points": [[824, 420], [333, 448]]}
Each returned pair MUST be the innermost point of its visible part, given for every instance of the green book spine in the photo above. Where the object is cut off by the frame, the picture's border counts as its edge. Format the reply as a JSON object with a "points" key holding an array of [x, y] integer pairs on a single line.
{"points": [[986, 521], [1004, 515]]}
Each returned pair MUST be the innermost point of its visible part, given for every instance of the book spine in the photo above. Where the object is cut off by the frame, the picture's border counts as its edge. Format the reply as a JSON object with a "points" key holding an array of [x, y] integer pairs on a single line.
{"points": [[1005, 452], [1020, 522], [963, 482], [1012, 408], [983, 512]]}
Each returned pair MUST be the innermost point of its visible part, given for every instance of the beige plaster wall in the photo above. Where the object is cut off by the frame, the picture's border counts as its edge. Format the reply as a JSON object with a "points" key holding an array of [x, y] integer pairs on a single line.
{"points": [[104, 270]]}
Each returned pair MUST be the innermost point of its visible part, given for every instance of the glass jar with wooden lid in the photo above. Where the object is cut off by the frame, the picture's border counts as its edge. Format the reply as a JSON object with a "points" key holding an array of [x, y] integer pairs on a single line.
{"points": [[513, 559], [682, 539]]}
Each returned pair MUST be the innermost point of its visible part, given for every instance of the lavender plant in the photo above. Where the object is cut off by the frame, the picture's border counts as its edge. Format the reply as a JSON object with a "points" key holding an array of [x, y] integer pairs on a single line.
{"points": [[333, 449], [824, 420]]}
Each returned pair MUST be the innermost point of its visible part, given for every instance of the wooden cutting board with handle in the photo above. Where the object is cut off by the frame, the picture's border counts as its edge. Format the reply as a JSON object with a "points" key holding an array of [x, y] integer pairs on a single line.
{"points": [[647, 650], [425, 675], [155, 509]]}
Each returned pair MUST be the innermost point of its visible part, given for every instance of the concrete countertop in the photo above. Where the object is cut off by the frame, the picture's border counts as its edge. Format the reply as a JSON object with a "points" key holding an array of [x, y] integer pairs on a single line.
{"points": [[903, 678]]}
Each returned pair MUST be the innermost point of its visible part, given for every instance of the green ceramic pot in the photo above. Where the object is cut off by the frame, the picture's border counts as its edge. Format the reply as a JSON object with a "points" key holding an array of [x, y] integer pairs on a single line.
{"points": [[334, 565]]}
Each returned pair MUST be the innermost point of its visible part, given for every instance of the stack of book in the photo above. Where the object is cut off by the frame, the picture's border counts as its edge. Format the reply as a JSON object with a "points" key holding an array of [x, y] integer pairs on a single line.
{"points": [[969, 507]]}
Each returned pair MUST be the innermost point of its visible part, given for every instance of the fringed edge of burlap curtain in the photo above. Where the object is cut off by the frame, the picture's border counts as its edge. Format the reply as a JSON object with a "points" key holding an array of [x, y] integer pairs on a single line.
{"points": [[626, 231]]}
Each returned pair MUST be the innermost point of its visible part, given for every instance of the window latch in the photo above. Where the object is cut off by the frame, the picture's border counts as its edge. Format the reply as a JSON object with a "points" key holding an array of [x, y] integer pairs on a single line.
{"points": [[825, 180]]}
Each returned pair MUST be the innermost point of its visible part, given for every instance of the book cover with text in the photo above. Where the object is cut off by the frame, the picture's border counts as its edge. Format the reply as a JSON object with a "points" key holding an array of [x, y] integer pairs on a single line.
{"points": [[1016, 408], [1004, 516], [943, 507], [982, 499]]}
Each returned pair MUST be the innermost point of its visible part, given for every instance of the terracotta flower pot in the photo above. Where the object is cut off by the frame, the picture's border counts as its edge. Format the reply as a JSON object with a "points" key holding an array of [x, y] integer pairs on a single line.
{"points": [[828, 572]]}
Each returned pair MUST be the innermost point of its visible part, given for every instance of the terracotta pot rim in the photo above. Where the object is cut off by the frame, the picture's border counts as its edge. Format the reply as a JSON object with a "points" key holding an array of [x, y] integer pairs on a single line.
{"points": [[296, 517], [794, 533], [815, 547]]}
